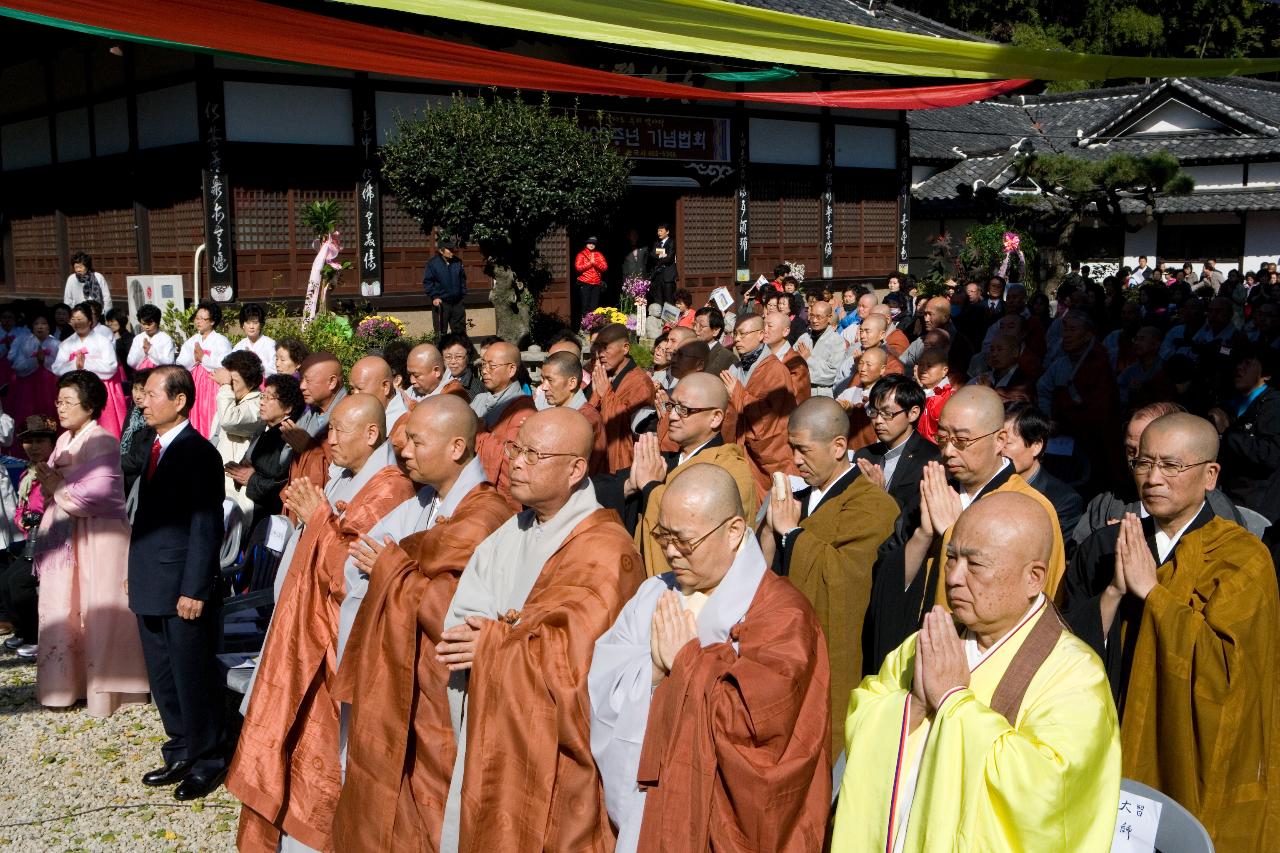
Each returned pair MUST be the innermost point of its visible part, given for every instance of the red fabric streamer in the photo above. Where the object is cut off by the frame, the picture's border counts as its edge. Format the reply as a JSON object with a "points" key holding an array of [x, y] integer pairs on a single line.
{"points": [[262, 30]]}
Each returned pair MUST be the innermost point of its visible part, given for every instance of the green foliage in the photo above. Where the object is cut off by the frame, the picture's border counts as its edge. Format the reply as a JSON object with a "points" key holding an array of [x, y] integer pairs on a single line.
{"points": [[321, 217], [983, 252], [642, 355], [328, 332], [1076, 184], [502, 172], [181, 324]]}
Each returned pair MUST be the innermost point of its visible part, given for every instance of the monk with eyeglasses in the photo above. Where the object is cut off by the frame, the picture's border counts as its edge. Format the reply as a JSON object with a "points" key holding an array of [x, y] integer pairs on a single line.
{"points": [[1181, 605]]}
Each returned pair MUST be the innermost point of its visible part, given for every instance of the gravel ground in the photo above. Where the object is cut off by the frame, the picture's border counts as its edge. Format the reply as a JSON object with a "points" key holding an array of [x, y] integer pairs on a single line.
{"points": [[69, 782]]}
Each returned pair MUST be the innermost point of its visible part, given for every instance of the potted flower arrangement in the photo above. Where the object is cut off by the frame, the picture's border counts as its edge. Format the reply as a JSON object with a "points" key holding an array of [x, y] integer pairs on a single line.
{"points": [[378, 330], [602, 317]]}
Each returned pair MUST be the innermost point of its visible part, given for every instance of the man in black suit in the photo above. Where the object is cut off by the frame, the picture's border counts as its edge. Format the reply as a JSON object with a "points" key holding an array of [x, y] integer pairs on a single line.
{"points": [[1028, 436], [174, 586], [662, 273], [708, 325], [896, 462]]}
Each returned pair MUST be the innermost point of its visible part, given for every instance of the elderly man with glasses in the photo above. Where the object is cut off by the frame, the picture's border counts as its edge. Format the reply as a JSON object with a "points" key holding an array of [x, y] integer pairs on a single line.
{"points": [[971, 440], [502, 409], [694, 415], [1181, 605], [761, 397], [518, 639], [710, 691]]}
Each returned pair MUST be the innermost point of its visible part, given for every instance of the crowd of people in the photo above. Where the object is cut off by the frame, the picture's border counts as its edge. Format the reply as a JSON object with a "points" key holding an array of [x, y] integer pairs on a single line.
{"points": [[841, 571]]}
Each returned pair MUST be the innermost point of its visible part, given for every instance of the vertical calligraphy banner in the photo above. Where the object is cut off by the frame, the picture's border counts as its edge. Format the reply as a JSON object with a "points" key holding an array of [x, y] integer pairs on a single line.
{"points": [[904, 199], [369, 203], [743, 201], [828, 199], [218, 228]]}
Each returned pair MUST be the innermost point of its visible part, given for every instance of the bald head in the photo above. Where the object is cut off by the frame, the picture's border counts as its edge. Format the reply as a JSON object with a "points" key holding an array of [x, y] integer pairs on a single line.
{"points": [[502, 351], [357, 427], [372, 375], [973, 415], [680, 335], [444, 414], [776, 327], [321, 378], [700, 390], [977, 407], [882, 310], [1191, 437], [749, 323], [875, 323], [425, 367], [1015, 525], [820, 418], [564, 431], [545, 485], [707, 492]]}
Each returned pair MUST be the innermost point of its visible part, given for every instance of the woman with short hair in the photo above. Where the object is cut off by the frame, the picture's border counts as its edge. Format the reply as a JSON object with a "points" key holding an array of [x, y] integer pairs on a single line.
{"points": [[202, 354], [237, 421], [84, 349]]}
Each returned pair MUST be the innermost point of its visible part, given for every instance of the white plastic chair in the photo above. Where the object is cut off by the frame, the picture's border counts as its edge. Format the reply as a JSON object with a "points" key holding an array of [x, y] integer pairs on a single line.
{"points": [[1254, 521], [1179, 831], [232, 522]]}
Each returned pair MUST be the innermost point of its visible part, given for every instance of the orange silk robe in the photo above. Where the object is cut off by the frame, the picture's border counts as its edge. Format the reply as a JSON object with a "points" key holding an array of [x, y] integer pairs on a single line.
{"points": [[799, 370], [599, 461], [313, 463], [490, 445], [617, 406], [285, 769], [757, 420], [400, 747], [897, 342], [530, 782], [736, 747]]}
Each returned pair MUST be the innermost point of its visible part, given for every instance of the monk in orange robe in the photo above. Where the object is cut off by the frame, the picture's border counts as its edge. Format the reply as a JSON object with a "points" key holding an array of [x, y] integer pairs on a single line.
{"points": [[711, 690], [529, 607], [373, 375], [760, 401], [322, 390], [428, 375], [400, 748], [776, 327], [502, 409], [562, 386], [620, 391], [286, 768]]}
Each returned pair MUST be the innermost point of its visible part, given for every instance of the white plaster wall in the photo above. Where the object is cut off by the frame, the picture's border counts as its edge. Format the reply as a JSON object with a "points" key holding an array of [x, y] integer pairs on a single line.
{"points": [[1140, 242], [1175, 116], [1266, 174], [1217, 177], [1261, 238]]}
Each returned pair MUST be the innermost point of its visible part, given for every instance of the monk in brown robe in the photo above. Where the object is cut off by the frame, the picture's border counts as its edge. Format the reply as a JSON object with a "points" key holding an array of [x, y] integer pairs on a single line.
{"points": [[428, 375], [501, 409], [400, 748], [562, 386], [711, 690], [620, 391], [777, 325], [687, 358], [1182, 607], [322, 389], [829, 534], [697, 408], [286, 768], [372, 375], [761, 398], [523, 622], [971, 439]]}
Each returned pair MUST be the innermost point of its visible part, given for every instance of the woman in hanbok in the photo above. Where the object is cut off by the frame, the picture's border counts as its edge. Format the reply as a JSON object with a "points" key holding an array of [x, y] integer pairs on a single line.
{"points": [[85, 349], [35, 385], [152, 347], [89, 647], [202, 353], [253, 319], [11, 334]]}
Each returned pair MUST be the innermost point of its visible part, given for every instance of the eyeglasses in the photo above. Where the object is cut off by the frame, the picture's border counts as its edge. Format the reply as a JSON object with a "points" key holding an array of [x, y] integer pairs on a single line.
{"points": [[66, 404], [686, 547], [528, 454], [1167, 469], [685, 411], [884, 414], [494, 365], [268, 397], [962, 444]]}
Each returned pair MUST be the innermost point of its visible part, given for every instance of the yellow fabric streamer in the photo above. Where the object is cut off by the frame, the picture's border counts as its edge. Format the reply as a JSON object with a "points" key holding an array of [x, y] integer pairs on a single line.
{"points": [[720, 28]]}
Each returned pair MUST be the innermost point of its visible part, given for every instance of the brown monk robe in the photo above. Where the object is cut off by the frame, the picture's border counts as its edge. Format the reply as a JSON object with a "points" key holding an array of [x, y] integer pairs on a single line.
{"points": [[870, 367], [1191, 640], [619, 391], [400, 747], [734, 754], [286, 767], [562, 386], [831, 533], [524, 620], [502, 410], [760, 399], [777, 325], [322, 389], [426, 370], [1078, 391], [698, 439]]}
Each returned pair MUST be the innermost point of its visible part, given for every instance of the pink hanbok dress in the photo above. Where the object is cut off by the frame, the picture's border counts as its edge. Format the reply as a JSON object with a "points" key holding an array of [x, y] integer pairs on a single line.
{"points": [[89, 646], [100, 359], [34, 386], [216, 347]]}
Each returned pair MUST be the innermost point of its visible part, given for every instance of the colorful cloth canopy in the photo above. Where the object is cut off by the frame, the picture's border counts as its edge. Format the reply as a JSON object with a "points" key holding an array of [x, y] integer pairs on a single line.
{"points": [[261, 30], [721, 28]]}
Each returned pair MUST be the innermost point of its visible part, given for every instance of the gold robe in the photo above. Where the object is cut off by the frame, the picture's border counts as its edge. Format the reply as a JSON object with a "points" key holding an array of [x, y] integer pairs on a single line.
{"points": [[831, 563], [1201, 707], [730, 457], [1050, 782]]}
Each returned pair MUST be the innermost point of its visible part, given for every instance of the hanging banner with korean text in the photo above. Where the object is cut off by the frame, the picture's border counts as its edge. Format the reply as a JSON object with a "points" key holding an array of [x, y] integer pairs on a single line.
{"points": [[219, 243]]}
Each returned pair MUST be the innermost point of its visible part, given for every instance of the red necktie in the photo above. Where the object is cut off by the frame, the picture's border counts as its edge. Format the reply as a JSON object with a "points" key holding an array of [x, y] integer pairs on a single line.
{"points": [[155, 458]]}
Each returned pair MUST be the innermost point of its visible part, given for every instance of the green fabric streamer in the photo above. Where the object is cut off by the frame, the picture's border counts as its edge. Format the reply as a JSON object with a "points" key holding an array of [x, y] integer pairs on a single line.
{"points": [[764, 75], [721, 28]]}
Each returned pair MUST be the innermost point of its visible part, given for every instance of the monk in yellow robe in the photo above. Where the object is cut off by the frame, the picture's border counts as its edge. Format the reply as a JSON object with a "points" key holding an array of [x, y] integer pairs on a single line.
{"points": [[1183, 608], [829, 535], [971, 440], [696, 410], [1000, 738]]}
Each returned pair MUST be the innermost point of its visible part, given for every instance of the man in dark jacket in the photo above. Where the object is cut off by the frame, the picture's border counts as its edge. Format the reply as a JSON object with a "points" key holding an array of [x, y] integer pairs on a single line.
{"points": [[445, 283], [1250, 430], [1028, 436], [663, 272], [174, 586]]}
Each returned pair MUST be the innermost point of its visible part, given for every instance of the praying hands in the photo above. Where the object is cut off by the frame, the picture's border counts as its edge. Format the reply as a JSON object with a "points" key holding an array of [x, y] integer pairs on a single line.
{"points": [[457, 646], [671, 629]]}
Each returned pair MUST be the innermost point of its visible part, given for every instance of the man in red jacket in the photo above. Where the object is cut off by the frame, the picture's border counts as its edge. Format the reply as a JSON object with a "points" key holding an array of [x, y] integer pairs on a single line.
{"points": [[590, 264]]}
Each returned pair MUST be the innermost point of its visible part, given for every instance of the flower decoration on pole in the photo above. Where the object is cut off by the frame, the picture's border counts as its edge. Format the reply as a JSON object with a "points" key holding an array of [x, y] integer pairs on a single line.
{"points": [[321, 217], [1012, 246], [378, 330]]}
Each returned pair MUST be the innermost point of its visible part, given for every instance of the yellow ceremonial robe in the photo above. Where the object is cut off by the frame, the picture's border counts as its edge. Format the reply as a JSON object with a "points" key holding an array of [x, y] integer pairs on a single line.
{"points": [[936, 562], [730, 457], [1050, 783]]}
